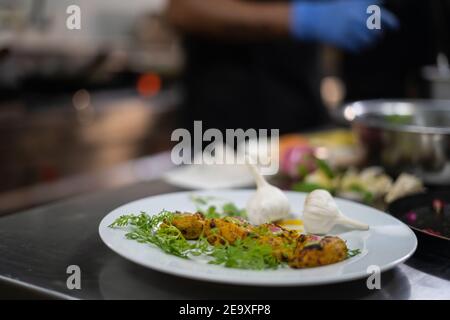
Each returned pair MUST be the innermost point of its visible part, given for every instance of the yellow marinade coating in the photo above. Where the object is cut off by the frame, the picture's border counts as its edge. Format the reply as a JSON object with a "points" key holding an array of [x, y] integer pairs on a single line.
{"points": [[298, 250]]}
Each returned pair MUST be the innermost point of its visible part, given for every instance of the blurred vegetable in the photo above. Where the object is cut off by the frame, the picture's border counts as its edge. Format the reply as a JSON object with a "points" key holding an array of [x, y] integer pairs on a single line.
{"points": [[368, 186], [325, 168], [289, 141], [332, 138], [322, 160], [296, 162], [438, 206], [320, 178], [366, 195], [404, 185], [306, 187]]}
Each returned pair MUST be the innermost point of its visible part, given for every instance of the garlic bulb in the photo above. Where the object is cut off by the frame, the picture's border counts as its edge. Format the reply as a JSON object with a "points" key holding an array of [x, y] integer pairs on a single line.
{"points": [[321, 214], [268, 203], [404, 185]]}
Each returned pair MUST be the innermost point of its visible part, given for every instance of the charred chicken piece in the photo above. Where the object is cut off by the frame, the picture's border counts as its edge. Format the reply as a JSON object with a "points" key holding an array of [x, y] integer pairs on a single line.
{"points": [[282, 241], [190, 225], [227, 230], [312, 253], [298, 250]]}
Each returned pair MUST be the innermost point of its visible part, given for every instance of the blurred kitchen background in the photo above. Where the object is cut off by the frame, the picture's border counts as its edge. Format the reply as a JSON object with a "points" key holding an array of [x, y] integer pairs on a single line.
{"points": [[82, 110]]}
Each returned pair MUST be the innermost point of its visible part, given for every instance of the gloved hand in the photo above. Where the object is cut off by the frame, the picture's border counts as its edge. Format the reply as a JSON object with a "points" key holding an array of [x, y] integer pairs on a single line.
{"points": [[341, 23]]}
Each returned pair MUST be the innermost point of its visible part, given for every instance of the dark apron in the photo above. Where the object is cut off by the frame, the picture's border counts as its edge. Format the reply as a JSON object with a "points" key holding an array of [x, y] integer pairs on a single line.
{"points": [[271, 84]]}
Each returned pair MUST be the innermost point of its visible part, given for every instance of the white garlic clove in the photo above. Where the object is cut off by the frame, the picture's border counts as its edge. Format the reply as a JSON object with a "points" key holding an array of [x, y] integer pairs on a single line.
{"points": [[321, 214], [268, 203]]}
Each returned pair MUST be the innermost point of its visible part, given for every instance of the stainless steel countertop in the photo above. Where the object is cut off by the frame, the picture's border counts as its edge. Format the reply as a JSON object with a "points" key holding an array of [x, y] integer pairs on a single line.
{"points": [[38, 245]]}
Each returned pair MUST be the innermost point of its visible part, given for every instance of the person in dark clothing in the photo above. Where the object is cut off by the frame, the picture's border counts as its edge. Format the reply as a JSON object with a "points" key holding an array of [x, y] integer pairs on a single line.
{"points": [[397, 62], [254, 64]]}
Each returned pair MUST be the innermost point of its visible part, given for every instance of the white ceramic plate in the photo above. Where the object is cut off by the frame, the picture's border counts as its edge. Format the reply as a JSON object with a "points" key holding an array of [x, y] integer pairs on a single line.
{"points": [[387, 243]]}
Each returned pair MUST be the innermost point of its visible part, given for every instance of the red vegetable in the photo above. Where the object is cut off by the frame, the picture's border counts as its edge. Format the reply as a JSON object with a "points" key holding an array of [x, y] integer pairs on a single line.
{"points": [[274, 229], [297, 159], [438, 205]]}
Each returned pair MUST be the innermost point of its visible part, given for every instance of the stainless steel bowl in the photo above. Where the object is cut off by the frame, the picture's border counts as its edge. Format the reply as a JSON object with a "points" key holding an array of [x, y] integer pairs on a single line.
{"points": [[404, 136]]}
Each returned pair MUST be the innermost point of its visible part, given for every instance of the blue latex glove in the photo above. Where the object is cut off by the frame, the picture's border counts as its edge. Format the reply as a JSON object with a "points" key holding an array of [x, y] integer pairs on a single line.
{"points": [[341, 23]]}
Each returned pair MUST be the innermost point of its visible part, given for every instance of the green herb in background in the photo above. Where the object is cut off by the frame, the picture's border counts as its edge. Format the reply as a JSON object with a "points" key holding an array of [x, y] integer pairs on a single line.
{"points": [[323, 166], [302, 170], [367, 196], [399, 119], [308, 187]]}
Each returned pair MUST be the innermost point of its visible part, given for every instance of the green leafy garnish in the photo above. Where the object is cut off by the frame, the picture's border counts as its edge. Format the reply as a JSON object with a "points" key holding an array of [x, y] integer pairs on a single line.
{"points": [[147, 229], [353, 252], [200, 201], [230, 209], [247, 253], [210, 213], [158, 230], [210, 208]]}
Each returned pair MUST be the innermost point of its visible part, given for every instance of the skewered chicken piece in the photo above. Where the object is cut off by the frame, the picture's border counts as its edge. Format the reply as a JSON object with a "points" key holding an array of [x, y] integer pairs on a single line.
{"points": [[226, 230], [282, 241], [309, 253], [299, 250], [190, 225]]}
